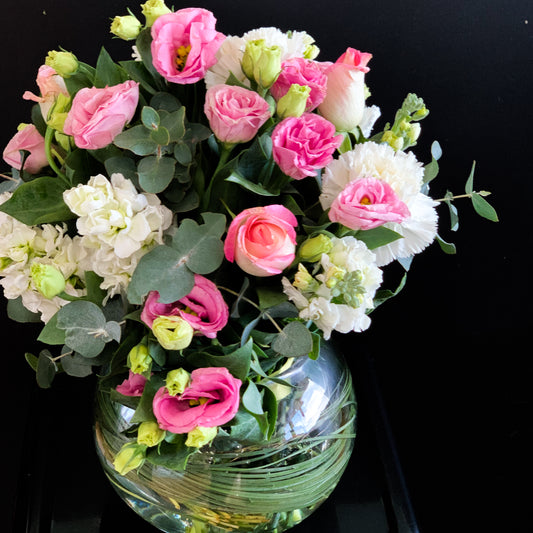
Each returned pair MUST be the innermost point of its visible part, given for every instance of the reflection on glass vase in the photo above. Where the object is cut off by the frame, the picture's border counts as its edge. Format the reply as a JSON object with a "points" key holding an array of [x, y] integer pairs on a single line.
{"points": [[239, 486]]}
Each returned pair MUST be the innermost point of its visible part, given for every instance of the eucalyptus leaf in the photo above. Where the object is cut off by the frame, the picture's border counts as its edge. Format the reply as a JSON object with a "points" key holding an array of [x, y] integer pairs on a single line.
{"points": [[150, 118], [175, 123], [448, 248], [17, 312], [162, 269], [199, 244], [294, 341], [155, 173], [51, 334], [137, 140], [46, 369], [483, 208], [76, 365]]}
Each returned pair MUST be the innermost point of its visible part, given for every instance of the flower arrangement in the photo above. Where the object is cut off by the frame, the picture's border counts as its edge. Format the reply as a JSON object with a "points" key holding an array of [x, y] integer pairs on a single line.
{"points": [[199, 214]]}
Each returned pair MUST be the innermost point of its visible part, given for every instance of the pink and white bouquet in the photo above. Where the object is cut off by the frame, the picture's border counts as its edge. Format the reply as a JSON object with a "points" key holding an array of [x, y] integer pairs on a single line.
{"points": [[185, 220]]}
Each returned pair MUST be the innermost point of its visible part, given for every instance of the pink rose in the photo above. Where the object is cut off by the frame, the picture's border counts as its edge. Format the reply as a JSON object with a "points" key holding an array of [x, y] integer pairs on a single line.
{"points": [[262, 240], [367, 203], [184, 44], [302, 145], [211, 399], [98, 115], [133, 385], [235, 114], [32, 141], [203, 308], [302, 71], [345, 98], [51, 85]]}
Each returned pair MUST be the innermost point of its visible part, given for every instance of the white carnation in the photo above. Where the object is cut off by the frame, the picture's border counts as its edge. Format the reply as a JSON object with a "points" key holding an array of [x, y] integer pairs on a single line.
{"points": [[405, 174]]}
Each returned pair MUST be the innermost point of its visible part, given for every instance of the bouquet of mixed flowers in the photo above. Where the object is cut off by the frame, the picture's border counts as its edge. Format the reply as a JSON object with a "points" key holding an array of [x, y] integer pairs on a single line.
{"points": [[198, 214]]}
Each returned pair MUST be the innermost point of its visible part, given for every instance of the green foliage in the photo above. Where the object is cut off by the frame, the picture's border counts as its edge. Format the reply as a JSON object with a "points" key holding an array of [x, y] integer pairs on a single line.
{"points": [[169, 269], [39, 201]]}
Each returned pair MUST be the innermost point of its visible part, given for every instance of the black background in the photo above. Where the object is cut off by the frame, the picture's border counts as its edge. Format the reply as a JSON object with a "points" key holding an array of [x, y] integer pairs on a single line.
{"points": [[452, 350]]}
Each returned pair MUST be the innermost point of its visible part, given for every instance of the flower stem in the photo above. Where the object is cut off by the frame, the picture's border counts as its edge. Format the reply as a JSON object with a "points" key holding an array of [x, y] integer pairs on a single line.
{"points": [[50, 156]]}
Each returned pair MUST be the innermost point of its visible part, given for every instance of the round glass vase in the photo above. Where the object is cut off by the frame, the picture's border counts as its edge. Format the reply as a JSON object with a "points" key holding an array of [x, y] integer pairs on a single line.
{"points": [[267, 487]]}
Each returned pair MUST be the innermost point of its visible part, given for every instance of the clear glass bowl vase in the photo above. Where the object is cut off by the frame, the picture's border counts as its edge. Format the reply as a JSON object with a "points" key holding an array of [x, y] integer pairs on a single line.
{"points": [[253, 488]]}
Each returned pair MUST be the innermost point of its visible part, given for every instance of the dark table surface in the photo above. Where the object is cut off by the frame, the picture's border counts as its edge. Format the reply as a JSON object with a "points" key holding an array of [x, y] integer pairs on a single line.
{"points": [[451, 353]]}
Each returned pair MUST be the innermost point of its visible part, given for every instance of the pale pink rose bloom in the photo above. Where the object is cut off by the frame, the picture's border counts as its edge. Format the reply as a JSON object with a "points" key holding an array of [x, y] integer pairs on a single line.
{"points": [[133, 385], [184, 44], [98, 115], [51, 85], [367, 203], [302, 145], [31, 140], [301, 71], [203, 308], [262, 240], [344, 103], [235, 114], [218, 391]]}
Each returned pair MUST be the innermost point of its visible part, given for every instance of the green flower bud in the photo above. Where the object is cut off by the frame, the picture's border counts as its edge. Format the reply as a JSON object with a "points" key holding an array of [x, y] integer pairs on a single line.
{"points": [[303, 281], [172, 332], [58, 113], [139, 360], [392, 140], [261, 63], [312, 249], [64, 63], [47, 279], [311, 51], [413, 132], [294, 102], [152, 10], [177, 381], [126, 27], [130, 456], [200, 436], [150, 434]]}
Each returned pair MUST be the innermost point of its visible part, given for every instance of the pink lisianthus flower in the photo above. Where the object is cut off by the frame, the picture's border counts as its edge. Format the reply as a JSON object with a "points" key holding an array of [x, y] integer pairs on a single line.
{"points": [[98, 115], [344, 103], [301, 71], [235, 114], [184, 44], [211, 399], [302, 145], [367, 203], [51, 85], [32, 141], [262, 240], [133, 385], [203, 308]]}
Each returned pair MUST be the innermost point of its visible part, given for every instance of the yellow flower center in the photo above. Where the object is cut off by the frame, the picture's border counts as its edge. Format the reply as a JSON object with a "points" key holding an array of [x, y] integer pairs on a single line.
{"points": [[365, 200], [199, 401], [181, 56]]}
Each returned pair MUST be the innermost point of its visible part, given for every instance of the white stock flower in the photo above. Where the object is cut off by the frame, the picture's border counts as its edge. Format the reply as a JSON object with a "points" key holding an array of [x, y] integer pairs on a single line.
{"points": [[230, 53], [404, 173], [349, 274], [117, 215]]}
